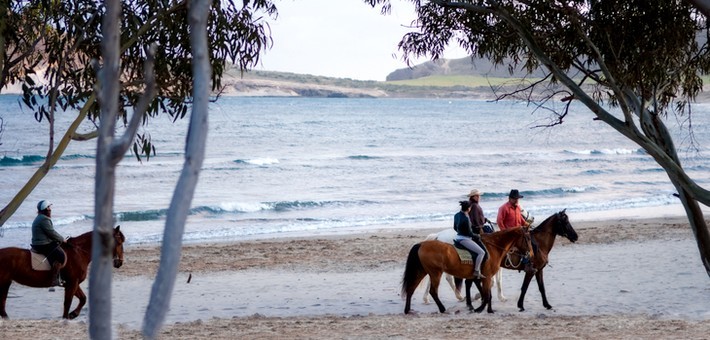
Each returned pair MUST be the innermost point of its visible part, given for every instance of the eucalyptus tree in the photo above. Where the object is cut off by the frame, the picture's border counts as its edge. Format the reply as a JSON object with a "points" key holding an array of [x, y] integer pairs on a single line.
{"points": [[49, 48], [107, 59], [206, 35], [642, 58]]}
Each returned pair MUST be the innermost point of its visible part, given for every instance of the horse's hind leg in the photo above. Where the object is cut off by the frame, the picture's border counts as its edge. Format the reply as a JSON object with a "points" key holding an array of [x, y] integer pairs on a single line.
{"points": [[426, 292], [4, 290], [433, 290], [82, 301], [457, 291], [499, 285]]}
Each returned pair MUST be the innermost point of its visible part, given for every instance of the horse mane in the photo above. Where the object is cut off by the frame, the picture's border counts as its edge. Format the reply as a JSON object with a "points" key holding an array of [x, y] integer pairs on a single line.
{"points": [[544, 223], [500, 234], [81, 239]]}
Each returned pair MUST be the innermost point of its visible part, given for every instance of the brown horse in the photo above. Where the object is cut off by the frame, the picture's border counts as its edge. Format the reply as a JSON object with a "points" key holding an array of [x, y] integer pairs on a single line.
{"points": [[16, 266], [435, 257], [544, 238]]}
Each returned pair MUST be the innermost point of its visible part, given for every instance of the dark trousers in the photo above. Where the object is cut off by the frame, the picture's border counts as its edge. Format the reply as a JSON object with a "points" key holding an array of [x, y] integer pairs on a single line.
{"points": [[53, 252]]}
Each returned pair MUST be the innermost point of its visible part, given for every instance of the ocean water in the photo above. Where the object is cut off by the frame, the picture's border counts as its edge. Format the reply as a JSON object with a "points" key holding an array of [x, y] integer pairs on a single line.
{"points": [[305, 166]]}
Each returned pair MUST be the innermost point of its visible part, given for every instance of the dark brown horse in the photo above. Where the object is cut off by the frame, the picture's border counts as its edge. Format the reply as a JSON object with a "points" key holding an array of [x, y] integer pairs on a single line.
{"points": [[16, 266], [544, 238], [435, 257]]}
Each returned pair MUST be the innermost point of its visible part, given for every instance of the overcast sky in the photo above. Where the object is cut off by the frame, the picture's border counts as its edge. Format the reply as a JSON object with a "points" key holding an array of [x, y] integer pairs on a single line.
{"points": [[339, 38]]}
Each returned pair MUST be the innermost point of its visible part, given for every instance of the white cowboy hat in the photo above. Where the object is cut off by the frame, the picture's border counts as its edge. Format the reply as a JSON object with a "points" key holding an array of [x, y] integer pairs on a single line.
{"points": [[475, 192]]}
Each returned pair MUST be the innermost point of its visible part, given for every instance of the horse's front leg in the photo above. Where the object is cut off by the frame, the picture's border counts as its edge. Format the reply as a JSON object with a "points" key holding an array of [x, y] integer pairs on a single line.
{"points": [[487, 288], [82, 301], [482, 294], [541, 286], [4, 290], [523, 290], [70, 289], [469, 283]]}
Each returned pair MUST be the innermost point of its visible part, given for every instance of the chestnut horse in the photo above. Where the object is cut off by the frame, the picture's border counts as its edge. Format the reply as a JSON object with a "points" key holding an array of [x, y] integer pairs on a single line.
{"points": [[435, 257], [16, 266], [544, 238]]}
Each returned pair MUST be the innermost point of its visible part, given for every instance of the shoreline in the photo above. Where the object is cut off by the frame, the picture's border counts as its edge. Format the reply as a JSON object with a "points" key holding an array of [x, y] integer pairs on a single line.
{"points": [[349, 259]]}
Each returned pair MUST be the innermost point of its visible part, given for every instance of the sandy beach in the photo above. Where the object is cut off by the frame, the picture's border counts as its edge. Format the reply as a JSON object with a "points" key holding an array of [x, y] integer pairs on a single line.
{"points": [[624, 279]]}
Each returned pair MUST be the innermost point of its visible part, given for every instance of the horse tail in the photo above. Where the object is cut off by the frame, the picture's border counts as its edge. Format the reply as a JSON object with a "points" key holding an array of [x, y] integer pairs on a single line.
{"points": [[412, 271]]}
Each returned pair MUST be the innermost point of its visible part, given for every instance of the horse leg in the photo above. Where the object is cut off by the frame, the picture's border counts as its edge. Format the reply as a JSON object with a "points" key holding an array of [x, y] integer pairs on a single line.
{"points": [[523, 290], [433, 290], [4, 289], [409, 291], [457, 291], [480, 293], [426, 291], [499, 285], [487, 292], [541, 286], [79, 293], [69, 290], [469, 282]]}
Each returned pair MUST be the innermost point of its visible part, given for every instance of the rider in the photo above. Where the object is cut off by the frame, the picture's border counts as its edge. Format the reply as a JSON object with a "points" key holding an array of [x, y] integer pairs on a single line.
{"points": [[464, 235], [510, 216], [47, 241], [476, 215]]}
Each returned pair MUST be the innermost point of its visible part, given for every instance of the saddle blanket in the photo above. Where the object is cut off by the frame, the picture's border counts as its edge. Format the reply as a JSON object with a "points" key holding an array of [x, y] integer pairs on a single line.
{"points": [[40, 262], [464, 255]]}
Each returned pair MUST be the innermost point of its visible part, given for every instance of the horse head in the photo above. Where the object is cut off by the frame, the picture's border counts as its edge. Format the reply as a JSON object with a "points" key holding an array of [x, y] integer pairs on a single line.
{"points": [[118, 240], [563, 228]]}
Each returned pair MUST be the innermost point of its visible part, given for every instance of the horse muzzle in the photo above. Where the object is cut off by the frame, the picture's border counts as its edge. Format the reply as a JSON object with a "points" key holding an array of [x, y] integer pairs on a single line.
{"points": [[117, 263]]}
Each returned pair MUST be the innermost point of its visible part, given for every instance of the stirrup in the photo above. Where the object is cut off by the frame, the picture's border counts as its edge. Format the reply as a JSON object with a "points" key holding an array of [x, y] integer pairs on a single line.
{"points": [[477, 275]]}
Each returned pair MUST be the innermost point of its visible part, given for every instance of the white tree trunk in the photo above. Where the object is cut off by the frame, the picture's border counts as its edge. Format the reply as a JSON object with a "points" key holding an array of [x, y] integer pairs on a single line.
{"points": [[100, 272], [164, 284]]}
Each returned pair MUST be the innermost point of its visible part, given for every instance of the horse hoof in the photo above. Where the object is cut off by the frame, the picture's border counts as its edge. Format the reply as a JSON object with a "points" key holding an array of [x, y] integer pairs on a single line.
{"points": [[521, 309], [548, 307], [73, 315]]}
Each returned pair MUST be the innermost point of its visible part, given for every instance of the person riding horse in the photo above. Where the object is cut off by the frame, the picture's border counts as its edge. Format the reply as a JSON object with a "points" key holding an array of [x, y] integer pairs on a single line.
{"points": [[47, 241], [510, 216], [465, 235]]}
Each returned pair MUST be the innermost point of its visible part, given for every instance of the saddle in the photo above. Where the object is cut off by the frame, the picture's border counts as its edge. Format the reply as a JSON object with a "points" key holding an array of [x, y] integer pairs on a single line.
{"points": [[467, 256], [41, 262]]}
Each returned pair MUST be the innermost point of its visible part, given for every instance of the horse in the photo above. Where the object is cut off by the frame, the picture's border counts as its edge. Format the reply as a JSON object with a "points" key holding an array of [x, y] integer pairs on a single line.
{"points": [[16, 266], [543, 237], [434, 257], [448, 235]]}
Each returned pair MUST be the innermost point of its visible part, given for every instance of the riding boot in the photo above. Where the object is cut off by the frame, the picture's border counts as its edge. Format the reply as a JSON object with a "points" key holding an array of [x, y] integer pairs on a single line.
{"points": [[56, 278], [477, 274]]}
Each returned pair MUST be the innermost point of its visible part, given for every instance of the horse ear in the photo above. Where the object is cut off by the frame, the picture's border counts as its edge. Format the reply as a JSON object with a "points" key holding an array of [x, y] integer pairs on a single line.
{"points": [[118, 228], [564, 210]]}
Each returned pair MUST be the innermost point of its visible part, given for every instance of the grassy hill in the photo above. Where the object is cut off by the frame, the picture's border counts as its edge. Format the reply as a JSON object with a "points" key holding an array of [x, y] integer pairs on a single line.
{"points": [[433, 83]]}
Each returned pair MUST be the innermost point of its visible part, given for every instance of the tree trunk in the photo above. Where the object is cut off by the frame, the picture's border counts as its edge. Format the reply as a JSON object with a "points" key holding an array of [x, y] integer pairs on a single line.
{"points": [[697, 224], [164, 284], [100, 272]]}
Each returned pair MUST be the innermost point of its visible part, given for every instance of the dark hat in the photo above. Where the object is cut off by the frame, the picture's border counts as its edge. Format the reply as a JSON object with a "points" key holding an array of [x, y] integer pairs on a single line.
{"points": [[515, 194]]}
